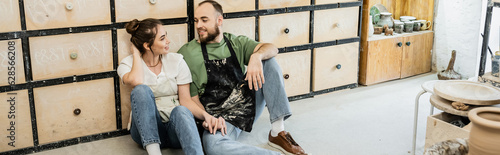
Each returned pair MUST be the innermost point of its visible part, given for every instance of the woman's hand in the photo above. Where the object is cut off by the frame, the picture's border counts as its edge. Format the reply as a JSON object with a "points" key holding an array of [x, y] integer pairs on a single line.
{"points": [[213, 124]]}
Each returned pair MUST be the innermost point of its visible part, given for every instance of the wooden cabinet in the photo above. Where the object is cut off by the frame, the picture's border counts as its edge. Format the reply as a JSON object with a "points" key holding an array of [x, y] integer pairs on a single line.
{"points": [[318, 2], [9, 13], [127, 10], [285, 29], [387, 58], [47, 14], [15, 121], [71, 54], [382, 57], [295, 66], [73, 110]]}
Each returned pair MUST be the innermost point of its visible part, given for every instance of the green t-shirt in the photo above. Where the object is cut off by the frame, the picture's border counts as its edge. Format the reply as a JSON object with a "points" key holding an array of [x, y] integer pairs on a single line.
{"points": [[242, 45]]}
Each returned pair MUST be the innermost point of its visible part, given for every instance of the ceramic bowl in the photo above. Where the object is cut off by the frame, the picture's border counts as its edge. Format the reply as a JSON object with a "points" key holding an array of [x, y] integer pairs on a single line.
{"points": [[407, 18]]}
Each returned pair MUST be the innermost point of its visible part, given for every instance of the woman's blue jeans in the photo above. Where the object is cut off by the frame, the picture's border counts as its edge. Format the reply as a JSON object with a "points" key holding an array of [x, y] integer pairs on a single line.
{"points": [[147, 127]]}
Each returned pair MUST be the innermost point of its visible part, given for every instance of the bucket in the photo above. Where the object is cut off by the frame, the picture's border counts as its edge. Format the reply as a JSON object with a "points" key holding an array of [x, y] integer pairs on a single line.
{"points": [[494, 65]]}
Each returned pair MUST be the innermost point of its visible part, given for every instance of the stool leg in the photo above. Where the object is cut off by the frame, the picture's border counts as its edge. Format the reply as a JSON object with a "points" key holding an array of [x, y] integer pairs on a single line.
{"points": [[415, 122], [432, 110]]}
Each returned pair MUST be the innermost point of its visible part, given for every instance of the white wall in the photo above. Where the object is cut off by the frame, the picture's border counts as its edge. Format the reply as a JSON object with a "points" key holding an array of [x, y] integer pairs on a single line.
{"points": [[457, 25]]}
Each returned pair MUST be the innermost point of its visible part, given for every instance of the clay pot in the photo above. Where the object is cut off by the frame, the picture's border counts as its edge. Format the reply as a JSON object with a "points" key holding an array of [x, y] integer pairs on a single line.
{"points": [[484, 136]]}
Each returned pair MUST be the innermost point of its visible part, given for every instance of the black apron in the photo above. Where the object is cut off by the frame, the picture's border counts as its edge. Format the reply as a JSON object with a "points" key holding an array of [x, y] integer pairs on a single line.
{"points": [[226, 93]]}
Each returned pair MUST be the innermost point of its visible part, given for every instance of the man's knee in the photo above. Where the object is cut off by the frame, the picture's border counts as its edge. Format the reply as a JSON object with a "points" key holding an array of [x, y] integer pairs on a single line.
{"points": [[271, 66]]}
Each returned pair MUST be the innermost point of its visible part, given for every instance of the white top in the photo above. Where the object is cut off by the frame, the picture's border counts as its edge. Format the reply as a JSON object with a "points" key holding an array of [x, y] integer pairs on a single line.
{"points": [[174, 71]]}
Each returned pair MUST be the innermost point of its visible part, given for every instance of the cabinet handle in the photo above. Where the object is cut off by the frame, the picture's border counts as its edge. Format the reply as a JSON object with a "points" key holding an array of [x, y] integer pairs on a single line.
{"points": [[400, 44], [69, 6], [77, 111], [336, 25], [287, 30], [408, 43], [286, 76], [338, 66], [152, 2], [73, 55]]}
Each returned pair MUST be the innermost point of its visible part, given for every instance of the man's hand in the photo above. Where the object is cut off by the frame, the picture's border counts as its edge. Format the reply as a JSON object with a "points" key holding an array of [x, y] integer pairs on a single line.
{"points": [[255, 72]]}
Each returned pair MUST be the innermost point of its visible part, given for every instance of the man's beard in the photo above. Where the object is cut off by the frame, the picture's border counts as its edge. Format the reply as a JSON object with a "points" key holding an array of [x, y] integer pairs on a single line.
{"points": [[210, 36]]}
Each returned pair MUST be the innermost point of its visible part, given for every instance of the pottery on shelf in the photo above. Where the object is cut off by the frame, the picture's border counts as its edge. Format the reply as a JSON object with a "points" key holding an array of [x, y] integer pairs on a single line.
{"points": [[386, 19], [484, 138], [370, 26]]}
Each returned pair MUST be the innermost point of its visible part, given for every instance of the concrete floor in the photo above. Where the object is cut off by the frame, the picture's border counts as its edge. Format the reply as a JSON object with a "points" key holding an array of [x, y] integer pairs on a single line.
{"points": [[375, 120]]}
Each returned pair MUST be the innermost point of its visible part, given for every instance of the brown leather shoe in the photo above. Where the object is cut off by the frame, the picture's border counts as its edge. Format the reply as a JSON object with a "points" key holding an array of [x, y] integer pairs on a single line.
{"points": [[285, 143]]}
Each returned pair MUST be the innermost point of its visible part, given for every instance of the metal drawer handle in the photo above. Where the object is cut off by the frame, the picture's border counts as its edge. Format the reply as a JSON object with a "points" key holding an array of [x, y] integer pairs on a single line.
{"points": [[73, 55], [152, 2], [69, 6], [287, 30], [336, 25], [338, 66], [400, 44], [408, 43], [286, 76], [77, 111]]}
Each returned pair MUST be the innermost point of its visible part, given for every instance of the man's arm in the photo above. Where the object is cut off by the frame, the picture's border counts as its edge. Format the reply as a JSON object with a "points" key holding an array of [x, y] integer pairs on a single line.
{"points": [[255, 72]]}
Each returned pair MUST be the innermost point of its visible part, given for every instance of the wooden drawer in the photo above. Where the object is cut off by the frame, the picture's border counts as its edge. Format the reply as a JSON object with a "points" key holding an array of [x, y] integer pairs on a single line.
{"points": [[15, 122], [57, 110], [11, 62], [47, 14], [336, 24], [232, 5], [268, 4], [176, 33], [51, 55], [240, 26], [272, 29], [296, 67], [333, 1], [9, 13], [328, 60], [127, 10]]}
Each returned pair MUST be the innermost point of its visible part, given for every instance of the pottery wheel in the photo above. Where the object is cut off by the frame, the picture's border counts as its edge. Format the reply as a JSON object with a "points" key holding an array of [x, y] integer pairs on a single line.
{"points": [[468, 92], [445, 105]]}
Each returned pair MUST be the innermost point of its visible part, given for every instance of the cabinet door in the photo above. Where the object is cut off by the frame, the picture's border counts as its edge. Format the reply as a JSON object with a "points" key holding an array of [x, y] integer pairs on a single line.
{"points": [[335, 66], [127, 10], [380, 61], [75, 109], [269, 4], [11, 62], [71, 54], [333, 1], [333, 24], [296, 67], [240, 26], [46, 14], [9, 13], [417, 54], [15, 121], [232, 5], [282, 30]]}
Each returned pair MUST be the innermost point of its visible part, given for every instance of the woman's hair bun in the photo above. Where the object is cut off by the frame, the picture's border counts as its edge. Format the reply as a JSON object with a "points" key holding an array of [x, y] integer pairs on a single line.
{"points": [[132, 26]]}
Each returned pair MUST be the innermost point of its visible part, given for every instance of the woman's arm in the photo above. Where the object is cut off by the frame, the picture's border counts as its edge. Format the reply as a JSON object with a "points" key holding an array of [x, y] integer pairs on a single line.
{"points": [[136, 74]]}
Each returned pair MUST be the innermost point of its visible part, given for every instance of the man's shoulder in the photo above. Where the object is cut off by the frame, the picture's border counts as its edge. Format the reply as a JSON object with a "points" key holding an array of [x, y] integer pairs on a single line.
{"points": [[191, 45]]}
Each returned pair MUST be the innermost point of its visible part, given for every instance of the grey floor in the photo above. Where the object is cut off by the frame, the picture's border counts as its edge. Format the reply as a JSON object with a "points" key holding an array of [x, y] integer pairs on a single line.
{"points": [[375, 120]]}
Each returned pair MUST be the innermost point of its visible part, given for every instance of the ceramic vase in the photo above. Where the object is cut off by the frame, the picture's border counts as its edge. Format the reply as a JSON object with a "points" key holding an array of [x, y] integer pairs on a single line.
{"points": [[484, 136], [386, 19], [370, 26]]}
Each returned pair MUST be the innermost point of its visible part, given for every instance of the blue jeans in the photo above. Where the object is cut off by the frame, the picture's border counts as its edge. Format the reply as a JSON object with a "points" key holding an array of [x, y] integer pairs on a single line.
{"points": [[147, 128], [273, 93]]}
